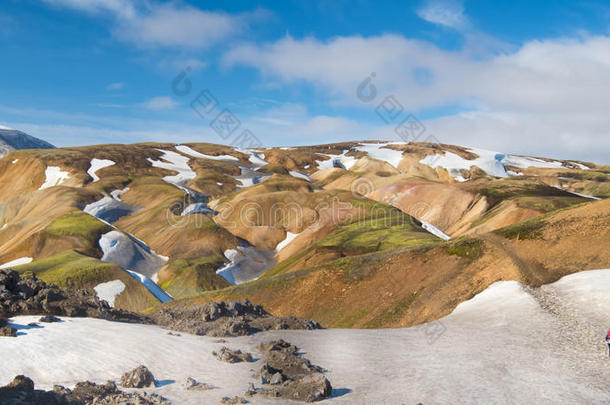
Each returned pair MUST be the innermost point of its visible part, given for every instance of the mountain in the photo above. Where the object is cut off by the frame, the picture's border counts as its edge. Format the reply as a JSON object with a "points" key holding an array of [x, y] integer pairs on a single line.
{"points": [[356, 234], [11, 139]]}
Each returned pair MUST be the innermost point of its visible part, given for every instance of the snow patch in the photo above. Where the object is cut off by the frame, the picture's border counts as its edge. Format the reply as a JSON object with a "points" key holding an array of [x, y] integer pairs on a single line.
{"points": [[300, 175], [247, 263], [16, 262], [380, 152], [110, 209], [289, 238], [130, 253], [54, 177], [341, 161], [15, 161], [434, 230], [151, 286], [108, 291], [98, 164], [198, 208], [492, 163], [193, 153], [175, 162]]}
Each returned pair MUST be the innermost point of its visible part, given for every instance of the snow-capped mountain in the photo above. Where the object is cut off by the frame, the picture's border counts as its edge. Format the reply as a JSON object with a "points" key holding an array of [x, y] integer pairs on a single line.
{"points": [[11, 139]]}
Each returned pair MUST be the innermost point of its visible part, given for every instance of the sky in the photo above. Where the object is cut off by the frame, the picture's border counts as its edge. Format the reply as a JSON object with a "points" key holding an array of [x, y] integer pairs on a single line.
{"points": [[511, 76]]}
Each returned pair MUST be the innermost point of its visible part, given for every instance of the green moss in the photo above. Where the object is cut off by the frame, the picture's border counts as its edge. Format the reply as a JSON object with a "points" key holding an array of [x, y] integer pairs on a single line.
{"points": [[69, 269], [374, 233], [531, 229], [194, 276], [598, 175], [547, 204], [469, 248], [77, 224]]}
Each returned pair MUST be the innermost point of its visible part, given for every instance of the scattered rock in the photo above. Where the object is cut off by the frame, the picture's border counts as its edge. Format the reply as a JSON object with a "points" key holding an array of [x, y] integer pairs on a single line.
{"points": [[49, 319], [193, 385], [22, 383], [173, 334], [8, 331], [139, 377], [31, 296], [108, 394], [33, 324], [232, 401], [285, 374], [222, 319], [232, 356], [21, 391]]}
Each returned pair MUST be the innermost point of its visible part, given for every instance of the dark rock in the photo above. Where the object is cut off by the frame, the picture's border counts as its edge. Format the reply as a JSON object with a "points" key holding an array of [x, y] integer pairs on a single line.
{"points": [[233, 401], [139, 377], [87, 391], [31, 296], [22, 383], [285, 374], [222, 319], [21, 392], [8, 331], [193, 385], [232, 356], [49, 319]]}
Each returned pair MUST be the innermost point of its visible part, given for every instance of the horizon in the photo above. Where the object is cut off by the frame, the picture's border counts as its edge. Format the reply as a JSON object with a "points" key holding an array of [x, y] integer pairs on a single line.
{"points": [[515, 78]]}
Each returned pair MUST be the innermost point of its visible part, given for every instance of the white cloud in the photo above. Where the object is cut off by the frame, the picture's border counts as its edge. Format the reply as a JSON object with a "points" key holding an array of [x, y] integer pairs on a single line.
{"points": [[120, 8], [546, 94], [115, 86], [449, 13], [160, 103], [153, 23]]}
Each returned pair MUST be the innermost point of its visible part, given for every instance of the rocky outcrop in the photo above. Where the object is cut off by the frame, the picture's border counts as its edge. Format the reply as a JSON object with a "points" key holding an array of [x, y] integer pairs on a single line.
{"points": [[139, 377], [285, 374], [31, 296], [21, 391], [233, 400], [221, 319], [193, 385], [232, 356], [8, 331]]}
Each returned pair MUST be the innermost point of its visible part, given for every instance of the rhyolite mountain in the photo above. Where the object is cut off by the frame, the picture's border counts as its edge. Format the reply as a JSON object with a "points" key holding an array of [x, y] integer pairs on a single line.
{"points": [[356, 234]]}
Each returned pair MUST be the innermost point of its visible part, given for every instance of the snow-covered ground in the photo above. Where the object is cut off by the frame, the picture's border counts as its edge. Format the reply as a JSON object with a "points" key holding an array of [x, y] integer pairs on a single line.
{"points": [[380, 152], [110, 209], [193, 153], [98, 164], [501, 347], [342, 161], [492, 163], [54, 177], [246, 264], [174, 162], [130, 254], [108, 291], [16, 262]]}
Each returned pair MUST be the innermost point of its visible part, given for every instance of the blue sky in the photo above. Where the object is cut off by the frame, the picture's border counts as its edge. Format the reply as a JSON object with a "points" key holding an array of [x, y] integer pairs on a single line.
{"points": [[513, 76]]}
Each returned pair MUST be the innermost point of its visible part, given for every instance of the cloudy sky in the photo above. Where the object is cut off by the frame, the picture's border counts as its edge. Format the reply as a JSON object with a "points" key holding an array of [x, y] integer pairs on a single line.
{"points": [[513, 76]]}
